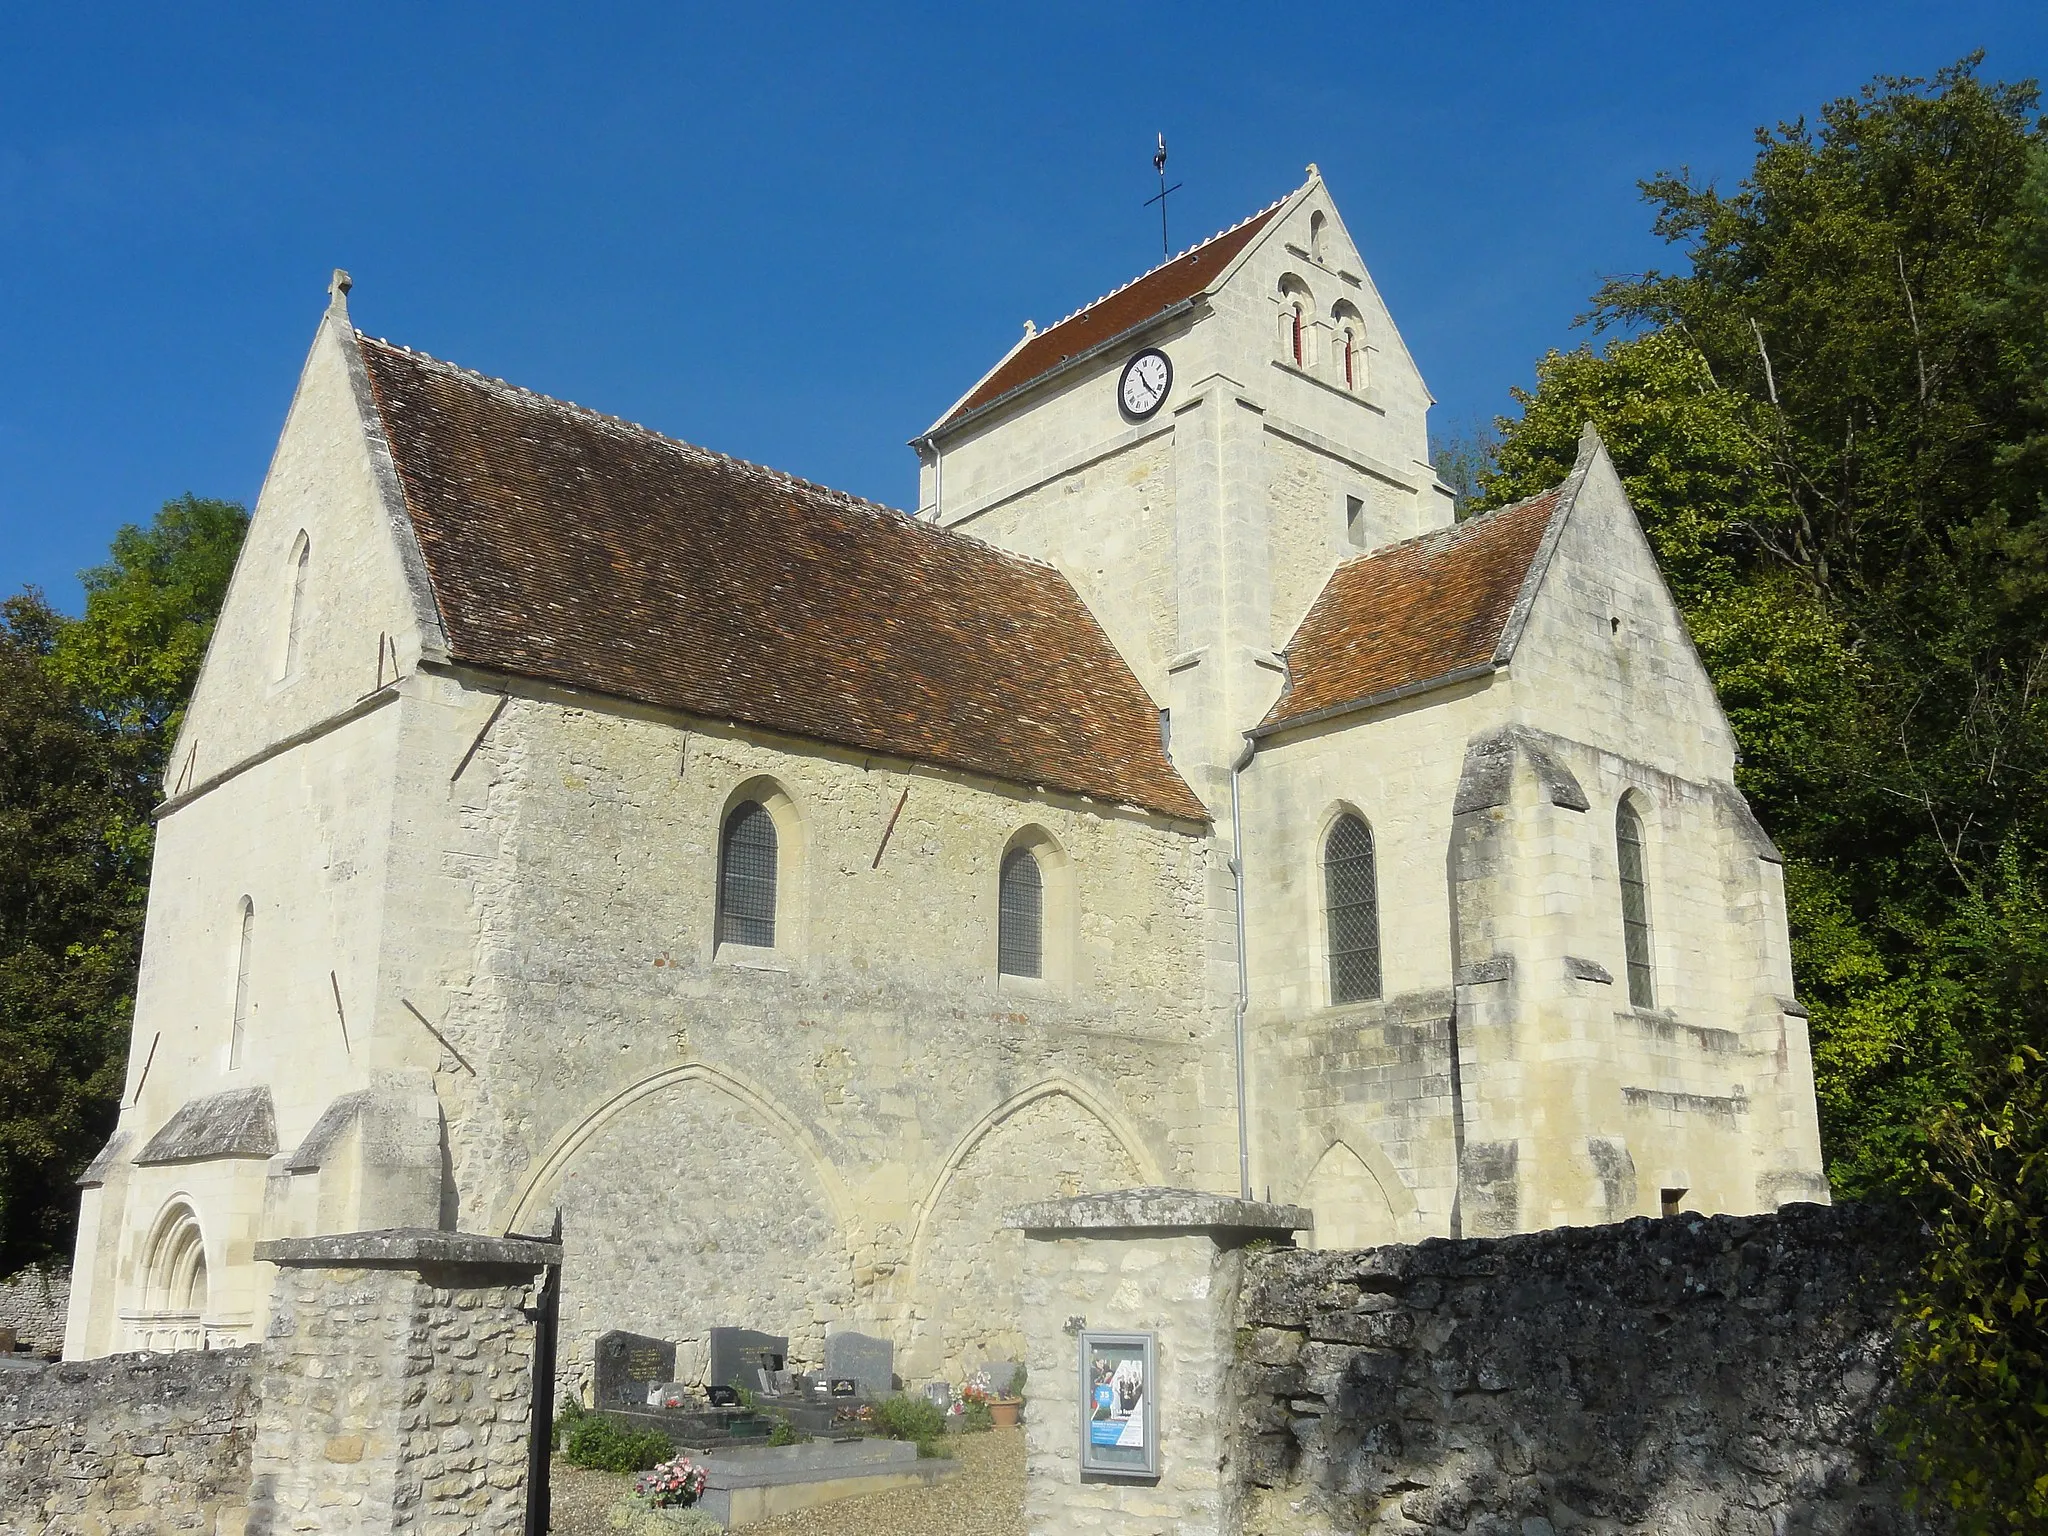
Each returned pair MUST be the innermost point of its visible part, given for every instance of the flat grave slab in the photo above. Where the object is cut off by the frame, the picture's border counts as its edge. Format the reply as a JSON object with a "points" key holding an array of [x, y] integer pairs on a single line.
{"points": [[744, 1487]]}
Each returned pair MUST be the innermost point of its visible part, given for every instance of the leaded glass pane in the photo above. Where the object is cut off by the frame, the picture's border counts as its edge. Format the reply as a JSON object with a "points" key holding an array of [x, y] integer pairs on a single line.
{"points": [[1020, 925], [746, 878], [1352, 901], [1635, 907]]}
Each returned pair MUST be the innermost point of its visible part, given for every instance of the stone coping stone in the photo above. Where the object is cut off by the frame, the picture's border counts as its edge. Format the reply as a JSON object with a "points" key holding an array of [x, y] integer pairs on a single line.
{"points": [[820, 1461], [406, 1248], [1159, 1209], [238, 1123]]}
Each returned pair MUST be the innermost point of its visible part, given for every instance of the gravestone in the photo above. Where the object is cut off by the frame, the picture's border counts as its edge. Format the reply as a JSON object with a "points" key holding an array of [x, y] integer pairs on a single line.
{"points": [[742, 1352], [871, 1362], [629, 1365], [1002, 1377]]}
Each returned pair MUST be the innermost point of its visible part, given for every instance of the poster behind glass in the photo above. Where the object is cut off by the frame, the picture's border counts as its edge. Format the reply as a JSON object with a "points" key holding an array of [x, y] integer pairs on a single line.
{"points": [[1119, 1417]]}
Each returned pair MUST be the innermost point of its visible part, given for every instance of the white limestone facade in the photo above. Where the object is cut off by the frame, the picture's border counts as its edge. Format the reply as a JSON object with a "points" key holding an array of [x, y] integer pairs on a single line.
{"points": [[433, 943]]}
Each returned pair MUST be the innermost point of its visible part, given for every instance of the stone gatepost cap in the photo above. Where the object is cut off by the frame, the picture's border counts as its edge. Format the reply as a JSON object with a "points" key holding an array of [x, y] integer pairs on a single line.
{"points": [[400, 1247], [1159, 1209]]}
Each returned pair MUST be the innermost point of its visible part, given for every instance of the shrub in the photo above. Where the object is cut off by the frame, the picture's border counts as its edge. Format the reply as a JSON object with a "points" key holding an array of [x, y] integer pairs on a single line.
{"points": [[634, 1518], [1974, 1418], [976, 1418], [592, 1440], [912, 1418], [786, 1433]]}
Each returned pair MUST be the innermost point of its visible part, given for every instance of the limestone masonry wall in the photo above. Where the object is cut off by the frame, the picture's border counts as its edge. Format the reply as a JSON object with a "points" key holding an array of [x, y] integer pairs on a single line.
{"points": [[128, 1443], [1716, 1375], [32, 1303]]}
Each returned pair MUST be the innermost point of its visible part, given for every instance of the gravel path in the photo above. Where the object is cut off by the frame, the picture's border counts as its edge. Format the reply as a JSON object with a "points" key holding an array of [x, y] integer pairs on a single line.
{"points": [[985, 1498]]}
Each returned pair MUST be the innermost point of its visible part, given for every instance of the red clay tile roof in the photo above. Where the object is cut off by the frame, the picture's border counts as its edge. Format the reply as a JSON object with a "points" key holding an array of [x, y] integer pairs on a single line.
{"points": [[577, 548], [1412, 613], [1164, 286]]}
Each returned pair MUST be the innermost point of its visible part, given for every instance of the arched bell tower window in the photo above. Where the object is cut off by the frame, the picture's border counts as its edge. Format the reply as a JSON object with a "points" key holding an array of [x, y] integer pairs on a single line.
{"points": [[746, 877], [1020, 916], [1635, 905], [1297, 317], [1351, 906], [1350, 327]]}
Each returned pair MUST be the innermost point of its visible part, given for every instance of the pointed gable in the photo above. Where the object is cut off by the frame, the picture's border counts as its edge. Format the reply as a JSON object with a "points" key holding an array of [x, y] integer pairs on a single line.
{"points": [[576, 548], [1185, 277], [1418, 613]]}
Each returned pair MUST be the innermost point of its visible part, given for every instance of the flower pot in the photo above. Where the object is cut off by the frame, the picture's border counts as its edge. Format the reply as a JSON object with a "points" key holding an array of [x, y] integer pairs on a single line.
{"points": [[1004, 1411]]}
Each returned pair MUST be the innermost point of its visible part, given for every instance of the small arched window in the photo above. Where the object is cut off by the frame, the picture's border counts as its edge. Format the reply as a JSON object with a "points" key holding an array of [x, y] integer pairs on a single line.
{"points": [[1350, 326], [1352, 910], [1316, 224], [1020, 916], [1297, 334], [295, 618], [241, 1021], [1635, 906], [746, 877]]}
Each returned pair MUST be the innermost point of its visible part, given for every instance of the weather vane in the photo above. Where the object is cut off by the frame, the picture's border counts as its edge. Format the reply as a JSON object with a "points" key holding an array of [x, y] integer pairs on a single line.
{"points": [[1159, 165]]}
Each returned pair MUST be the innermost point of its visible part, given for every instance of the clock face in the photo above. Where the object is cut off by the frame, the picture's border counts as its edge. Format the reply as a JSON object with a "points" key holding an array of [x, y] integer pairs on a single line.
{"points": [[1147, 378]]}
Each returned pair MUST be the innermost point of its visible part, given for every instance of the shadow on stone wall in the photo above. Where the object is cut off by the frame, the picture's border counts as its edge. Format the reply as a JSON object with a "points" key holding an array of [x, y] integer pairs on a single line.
{"points": [[1713, 1375]]}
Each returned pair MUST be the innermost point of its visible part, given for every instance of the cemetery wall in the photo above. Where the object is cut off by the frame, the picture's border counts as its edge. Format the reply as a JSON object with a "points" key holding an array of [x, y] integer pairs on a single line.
{"points": [[399, 1391], [32, 1303], [1702, 1374], [155, 1443]]}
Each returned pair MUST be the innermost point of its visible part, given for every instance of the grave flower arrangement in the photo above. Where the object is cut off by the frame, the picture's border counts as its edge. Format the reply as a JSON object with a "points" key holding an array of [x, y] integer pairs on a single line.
{"points": [[977, 1389], [674, 1484]]}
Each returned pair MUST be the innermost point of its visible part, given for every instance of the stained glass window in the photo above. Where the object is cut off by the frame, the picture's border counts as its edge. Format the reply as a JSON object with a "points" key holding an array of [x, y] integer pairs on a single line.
{"points": [[746, 877], [1020, 927], [1352, 902]]}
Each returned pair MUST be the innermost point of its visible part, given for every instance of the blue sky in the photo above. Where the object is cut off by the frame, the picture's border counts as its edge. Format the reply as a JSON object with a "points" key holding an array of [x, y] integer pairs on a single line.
{"points": [[797, 233]]}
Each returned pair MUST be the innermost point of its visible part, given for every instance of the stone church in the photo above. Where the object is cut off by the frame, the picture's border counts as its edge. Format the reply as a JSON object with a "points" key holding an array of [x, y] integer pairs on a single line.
{"points": [[782, 886]]}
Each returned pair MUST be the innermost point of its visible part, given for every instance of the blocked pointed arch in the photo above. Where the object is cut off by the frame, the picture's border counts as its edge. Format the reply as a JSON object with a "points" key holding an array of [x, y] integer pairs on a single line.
{"points": [[1111, 1118], [1358, 1196], [527, 1207], [298, 572]]}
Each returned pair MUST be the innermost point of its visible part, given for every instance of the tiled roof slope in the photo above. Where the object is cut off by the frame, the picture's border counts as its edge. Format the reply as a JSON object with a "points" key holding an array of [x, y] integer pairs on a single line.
{"points": [[1182, 278], [1409, 614], [577, 548]]}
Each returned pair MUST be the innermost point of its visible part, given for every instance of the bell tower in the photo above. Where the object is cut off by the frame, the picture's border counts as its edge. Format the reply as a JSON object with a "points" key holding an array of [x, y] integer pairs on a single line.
{"points": [[1196, 452]]}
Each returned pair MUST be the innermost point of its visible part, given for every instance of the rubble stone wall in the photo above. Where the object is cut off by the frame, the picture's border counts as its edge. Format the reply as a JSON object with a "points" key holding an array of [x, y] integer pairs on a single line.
{"points": [[1716, 1375], [156, 1443], [32, 1303]]}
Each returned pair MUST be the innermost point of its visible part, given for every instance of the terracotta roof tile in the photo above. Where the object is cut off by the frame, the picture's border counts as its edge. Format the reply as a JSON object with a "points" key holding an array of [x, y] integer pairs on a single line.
{"points": [[1164, 286], [577, 548], [1412, 613]]}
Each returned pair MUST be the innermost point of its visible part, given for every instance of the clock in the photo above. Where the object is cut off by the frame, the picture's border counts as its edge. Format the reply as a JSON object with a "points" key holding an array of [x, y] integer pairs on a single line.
{"points": [[1146, 379]]}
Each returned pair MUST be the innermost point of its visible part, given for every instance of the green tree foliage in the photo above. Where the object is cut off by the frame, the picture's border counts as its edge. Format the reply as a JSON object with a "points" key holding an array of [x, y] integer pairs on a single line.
{"points": [[149, 613], [87, 708], [1976, 1367], [1834, 425]]}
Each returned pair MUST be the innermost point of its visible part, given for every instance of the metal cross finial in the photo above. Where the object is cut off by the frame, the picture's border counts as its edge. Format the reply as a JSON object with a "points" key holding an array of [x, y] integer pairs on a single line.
{"points": [[1159, 165]]}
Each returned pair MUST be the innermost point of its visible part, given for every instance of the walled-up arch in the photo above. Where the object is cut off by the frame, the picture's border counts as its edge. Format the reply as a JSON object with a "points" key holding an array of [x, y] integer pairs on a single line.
{"points": [[1358, 1201], [690, 1200], [1054, 1139]]}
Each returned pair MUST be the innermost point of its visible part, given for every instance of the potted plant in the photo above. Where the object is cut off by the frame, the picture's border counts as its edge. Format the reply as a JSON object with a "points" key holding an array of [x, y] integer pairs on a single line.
{"points": [[1002, 1407]]}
